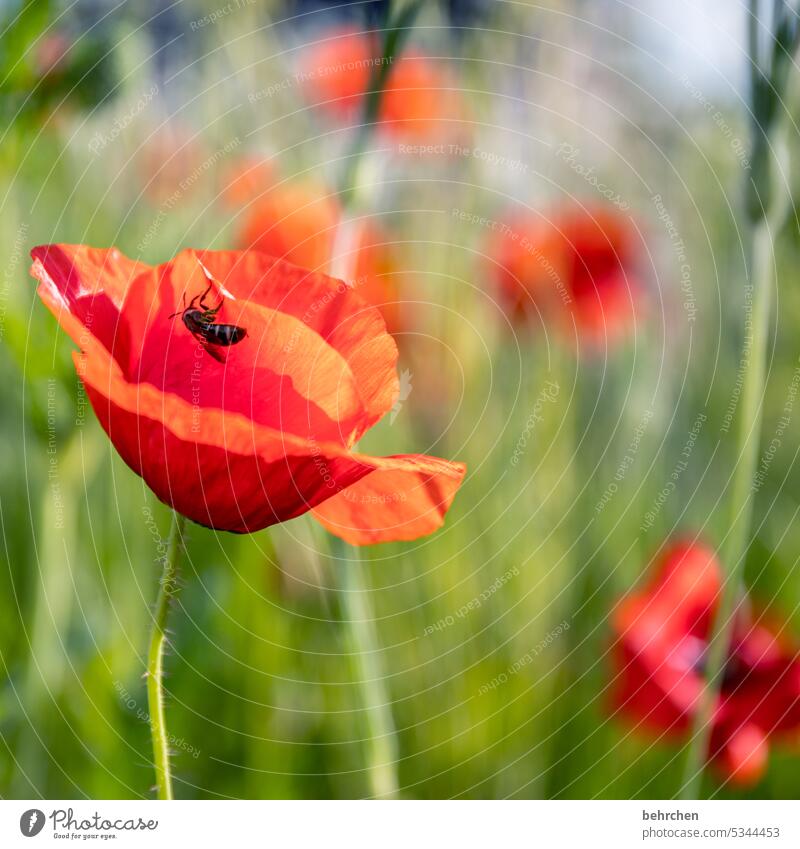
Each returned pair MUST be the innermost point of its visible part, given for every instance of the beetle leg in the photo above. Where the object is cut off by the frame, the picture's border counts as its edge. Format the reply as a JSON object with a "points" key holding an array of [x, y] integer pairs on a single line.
{"points": [[202, 302], [181, 311], [217, 353]]}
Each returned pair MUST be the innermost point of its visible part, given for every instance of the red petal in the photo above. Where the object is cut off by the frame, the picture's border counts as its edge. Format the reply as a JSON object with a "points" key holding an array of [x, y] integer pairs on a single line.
{"points": [[91, 285], [421, 101], [217, 467], [744, 756], [222, 470], [283, 374], [329, 307], [338, 68]]}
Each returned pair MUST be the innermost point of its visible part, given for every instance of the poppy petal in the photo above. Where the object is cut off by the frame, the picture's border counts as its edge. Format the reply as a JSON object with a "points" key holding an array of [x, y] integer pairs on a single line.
{"points": [[90, 285], [744, 757], [407, 497], [329, 307], [222, 470]]}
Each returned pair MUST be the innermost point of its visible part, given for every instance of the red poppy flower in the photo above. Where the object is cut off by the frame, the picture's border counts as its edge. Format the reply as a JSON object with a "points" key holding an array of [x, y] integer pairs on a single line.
{"points": [[661, 647], [299, 222], [266, 435], [420, 99], [522, 251], [577, 264]]}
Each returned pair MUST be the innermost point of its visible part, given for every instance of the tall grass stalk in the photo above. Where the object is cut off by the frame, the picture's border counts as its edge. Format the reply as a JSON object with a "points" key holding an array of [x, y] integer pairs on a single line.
{"points": [[380, 741], [765, 213]]}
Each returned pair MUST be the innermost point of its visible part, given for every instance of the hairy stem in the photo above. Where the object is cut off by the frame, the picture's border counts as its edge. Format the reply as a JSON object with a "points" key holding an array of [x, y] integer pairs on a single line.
{"points": [[167, 590]]}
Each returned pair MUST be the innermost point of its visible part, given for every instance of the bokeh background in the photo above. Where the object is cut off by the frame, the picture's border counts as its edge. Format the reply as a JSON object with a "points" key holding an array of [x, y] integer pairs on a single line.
{"points": [[160, 126]]}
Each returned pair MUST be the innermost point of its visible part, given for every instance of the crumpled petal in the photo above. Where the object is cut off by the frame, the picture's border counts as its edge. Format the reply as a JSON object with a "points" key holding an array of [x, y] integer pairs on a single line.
{"points": [[401, 503]]}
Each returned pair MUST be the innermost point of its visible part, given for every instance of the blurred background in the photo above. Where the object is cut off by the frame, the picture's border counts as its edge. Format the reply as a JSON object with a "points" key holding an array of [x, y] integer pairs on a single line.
{"points": [[524, 153]]}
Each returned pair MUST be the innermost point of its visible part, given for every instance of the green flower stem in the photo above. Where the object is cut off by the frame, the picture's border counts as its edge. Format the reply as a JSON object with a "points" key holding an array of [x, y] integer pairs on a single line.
{"points": [[365, 653], [767, 207], [589, 593], [167, 590], [381, 740]]}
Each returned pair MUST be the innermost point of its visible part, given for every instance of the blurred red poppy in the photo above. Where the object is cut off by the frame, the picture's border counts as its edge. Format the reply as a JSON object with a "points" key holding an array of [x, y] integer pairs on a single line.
{"points": [[579, 264], [337, 70], [245, 179], [266, 435], [376, 272], [299, 222], [170, 164], [662, 635], [421, 100], [294, 220]]}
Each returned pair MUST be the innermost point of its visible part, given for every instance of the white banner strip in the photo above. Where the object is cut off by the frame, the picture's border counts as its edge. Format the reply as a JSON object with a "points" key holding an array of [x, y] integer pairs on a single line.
{"points": [[405, 825]]}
